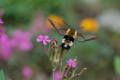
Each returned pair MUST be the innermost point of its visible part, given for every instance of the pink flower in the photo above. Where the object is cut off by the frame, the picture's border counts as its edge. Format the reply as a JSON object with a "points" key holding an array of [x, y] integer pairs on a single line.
{"points": [[72, 63], [5, 47], [1, 22], [27, 72], [22, 40], [43, 39], [57, 75]]}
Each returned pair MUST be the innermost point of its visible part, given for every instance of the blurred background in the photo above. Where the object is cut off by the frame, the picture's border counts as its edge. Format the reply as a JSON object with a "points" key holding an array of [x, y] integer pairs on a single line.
{"points": [[25, 20]]}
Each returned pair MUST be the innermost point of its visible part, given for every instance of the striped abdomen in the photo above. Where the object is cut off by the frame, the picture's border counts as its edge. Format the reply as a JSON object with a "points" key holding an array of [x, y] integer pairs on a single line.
{"points": [[68, 39]]}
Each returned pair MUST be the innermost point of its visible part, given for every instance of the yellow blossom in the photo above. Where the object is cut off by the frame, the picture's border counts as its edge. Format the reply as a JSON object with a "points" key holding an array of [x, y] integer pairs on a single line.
{"points": [[89, 25], [58, 21]]}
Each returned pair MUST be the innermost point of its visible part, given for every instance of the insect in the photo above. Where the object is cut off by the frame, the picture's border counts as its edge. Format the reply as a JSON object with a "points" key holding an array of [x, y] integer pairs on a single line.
{"points": [[70, 35]]}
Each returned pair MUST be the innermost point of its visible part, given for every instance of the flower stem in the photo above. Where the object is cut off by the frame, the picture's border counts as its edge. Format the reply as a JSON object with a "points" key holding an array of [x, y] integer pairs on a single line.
{"points": [[53, 74], [44, 49]]}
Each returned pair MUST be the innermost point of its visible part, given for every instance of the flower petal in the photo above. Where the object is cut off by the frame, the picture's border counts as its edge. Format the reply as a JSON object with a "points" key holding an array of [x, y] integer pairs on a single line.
{"points": [[46, 37], [74, 65], [1, 22], [48, 41], [44, 43], [40, 38]]}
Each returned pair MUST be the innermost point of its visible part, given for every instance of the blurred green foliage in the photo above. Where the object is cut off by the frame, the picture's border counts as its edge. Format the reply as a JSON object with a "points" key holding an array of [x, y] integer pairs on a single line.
{"points": [[117, 64], [1, 75], [97, 55]]}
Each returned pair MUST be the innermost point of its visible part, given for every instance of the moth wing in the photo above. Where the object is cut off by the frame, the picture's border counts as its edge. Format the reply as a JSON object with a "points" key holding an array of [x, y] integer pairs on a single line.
{"points": [[86, 38], [60, 28]]}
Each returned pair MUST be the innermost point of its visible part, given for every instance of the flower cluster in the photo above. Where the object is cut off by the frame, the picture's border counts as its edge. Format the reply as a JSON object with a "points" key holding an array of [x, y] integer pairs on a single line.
{"points": [[19, 39], [22, 40], [69, 71]]}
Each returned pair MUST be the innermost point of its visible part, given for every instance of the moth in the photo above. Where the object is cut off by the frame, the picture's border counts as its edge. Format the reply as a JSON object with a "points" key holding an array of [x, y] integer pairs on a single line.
{"points": [[70, 35]]}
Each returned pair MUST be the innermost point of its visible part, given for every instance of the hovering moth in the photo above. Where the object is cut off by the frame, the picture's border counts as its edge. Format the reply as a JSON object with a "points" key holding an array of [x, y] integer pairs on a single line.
{"points": [[70, 35]]}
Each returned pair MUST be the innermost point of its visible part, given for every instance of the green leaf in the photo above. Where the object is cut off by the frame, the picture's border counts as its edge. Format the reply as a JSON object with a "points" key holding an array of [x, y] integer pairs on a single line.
{"points": [[117, 64], [1, 75]]}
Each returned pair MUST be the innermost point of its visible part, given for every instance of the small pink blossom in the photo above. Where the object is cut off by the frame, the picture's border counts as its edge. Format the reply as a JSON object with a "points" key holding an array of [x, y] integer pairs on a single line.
{"points": [[6, 48], [43, 39], [1, 21], [57, 75], [72, 63], [22, 40], [27, 72]]}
